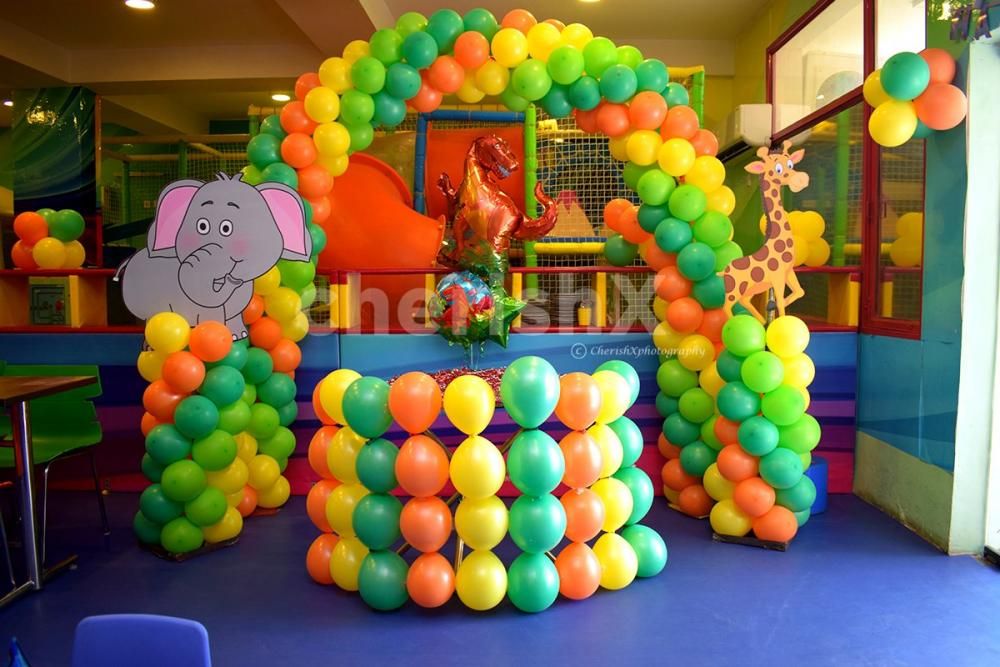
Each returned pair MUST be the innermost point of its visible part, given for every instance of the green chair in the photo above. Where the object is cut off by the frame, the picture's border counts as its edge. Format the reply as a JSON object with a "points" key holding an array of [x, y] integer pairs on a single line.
{"points": [[62, 426]]}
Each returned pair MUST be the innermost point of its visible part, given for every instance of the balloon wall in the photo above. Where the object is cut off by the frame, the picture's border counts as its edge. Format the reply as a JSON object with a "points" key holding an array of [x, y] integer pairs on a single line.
{"points": [[48, 239], [362, 523]]}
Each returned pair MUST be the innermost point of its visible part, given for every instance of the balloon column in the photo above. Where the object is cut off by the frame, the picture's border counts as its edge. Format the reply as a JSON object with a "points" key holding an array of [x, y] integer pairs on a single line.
{"points": [[913, 96], [47, 239], [607, 492], [216, 429]]}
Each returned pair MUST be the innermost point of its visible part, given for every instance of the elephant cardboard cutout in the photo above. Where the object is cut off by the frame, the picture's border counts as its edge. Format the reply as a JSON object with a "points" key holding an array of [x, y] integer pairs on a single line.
{"points": [[207, 244]]}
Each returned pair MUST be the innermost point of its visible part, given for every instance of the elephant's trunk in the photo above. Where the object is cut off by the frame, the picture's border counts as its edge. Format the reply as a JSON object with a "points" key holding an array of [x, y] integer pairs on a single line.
{"points": [[205, 278]]}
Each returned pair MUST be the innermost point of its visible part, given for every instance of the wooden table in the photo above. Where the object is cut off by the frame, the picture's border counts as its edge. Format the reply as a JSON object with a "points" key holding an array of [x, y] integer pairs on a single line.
{"points": [[15, 393]]}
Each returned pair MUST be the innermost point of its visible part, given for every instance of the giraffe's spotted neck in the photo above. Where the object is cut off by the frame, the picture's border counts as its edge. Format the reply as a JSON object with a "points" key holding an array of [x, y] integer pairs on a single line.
{"points": [[778, 226]]}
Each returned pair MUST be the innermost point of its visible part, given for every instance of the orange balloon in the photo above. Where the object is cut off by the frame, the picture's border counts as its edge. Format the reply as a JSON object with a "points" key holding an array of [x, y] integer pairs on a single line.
{"points": [[613, 120], [286, 356], [318, 408], [557, 23], [446, 74], [726, 430], [629, 227], [519, 19], [317, 450], [647, 110], [160, 400], [415, 402], [942, 106], [320, 209], [426, 523], [711, 324], [265, 333], [21, 255], [421, 466], [705, 143], [472, 49], [583, 459], [613, 211], [316, 503], [430, 580], [254, 309], [695, 501], [584, 514], [586, 120], [941, 63], [670, 285], [684, 315], [30, 227], [735, 464], [249, 502], [305, 83], [754, 496], [777, 525], [673, 475], [428, 98], [148, 423], [657, 258], [579, 400], [667, 448], [294, 118], [681, 121], [579, 571], [315, 181], [318, 558], [298, 150], [210, 341], [183, 371]]}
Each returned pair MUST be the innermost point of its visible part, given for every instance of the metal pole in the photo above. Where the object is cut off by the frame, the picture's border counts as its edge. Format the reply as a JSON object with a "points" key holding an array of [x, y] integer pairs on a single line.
{"points": [[530, 179], [24, 465]]}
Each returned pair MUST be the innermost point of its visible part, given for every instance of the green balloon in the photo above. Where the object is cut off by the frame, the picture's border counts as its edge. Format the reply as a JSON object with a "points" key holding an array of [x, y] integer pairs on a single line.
{"points": [[386, 45], [258, 368], [389, 111], [532, 582], [318, 235], [782, 468], [632, 172], [666, 405], [222, 385], [631, 438], [482, 21], [800, 437], [737, 402], [234, 417], [235, 358], [802, 517], [713, 229], [762, 371], [252, 175], [356, 106], [66, 225], [362, 135], [279, 172], [368, 75], [48, 213], [758, 436], [296, 274], [151, 469], [651, 216], [656, 187], [196, 416], [565, 64], [366, 407], [382, 580], [922, 131], [651, 74], [784, 406], [688, 202], [183, 480], [529, 390], [420, 50], [729, 366], [618, 83], [147, 531], [307, 207], [708, 433], [696, 457], [641, 488], [280, 445], [376, 465], [530, 80], [512, 100], [264, 150], [673, 379], [537, 523], [649, 548], [215, 451], [208, 508], [710, 292], [584, 92], [905, 75], [679, 430], [626, 370], [272, 125], [409, 23], [535, 463], [629, 56], [165, 444], [181, 536], [743, 335], [264, 421], [676, 95], [250, 394], [799, 497], [556, 102], [287, 413], [276, 390], [599, 54], [620, 252], [672, 235], [445, 25], [157, 507], [696, 261], [696, 405], [725, 254], [376, 520], [402, 81]]}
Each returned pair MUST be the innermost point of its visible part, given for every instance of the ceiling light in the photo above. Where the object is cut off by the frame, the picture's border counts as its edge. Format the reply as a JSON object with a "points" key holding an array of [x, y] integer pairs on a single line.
{"points": [[8, 103], [589, 2], [280, 97], [140, 4]]}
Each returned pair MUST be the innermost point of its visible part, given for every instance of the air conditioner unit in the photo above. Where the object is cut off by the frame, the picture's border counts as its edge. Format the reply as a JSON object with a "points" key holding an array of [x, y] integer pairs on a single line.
{"points": [[750, 126]]}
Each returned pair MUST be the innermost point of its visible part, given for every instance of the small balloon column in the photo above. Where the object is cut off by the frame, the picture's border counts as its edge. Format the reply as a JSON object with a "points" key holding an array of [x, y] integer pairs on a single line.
{"points": [[765, 433], [810, 248], [47, 239], [912, 96]]}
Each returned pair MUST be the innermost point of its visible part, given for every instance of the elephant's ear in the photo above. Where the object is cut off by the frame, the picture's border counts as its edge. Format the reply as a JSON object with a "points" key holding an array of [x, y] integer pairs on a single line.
{"points": [[290, 218], [170, 209]]}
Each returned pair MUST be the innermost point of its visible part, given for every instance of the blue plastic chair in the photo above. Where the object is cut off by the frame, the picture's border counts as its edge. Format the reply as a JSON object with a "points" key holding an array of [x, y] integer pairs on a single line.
{"points": [[144, 640]]}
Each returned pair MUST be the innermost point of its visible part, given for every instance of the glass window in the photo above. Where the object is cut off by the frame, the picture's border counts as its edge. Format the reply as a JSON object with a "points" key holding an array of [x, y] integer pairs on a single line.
{"points": [[901, 231], [899, 26]]}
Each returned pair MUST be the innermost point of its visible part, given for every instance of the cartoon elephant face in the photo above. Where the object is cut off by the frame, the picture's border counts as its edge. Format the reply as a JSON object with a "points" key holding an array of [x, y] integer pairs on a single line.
{"points": [[226, 232]]}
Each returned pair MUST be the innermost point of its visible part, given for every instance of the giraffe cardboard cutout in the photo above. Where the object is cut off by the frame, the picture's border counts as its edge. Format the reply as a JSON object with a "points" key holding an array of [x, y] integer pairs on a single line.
{"points": [[772, 265]]}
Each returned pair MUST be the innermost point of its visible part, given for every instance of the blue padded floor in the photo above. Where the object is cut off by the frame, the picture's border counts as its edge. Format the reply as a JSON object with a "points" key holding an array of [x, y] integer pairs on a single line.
{"points": [[855, 588]]}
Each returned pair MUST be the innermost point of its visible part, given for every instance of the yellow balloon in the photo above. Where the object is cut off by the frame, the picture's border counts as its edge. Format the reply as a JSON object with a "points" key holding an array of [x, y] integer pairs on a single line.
{"points": [[672, 496], [659, 308], [263, 472], [800, 249], [873, 91], [342, 454], [355, 50], [666, 339], [617, 501], [910, 225], [676, 156], [616, 397], [469, 93], [795, 220], [283, 304], [892, 123], [510, 47], [75, 255], [612, 452], [167, 332], [228, 527], [469, 402], [345, 562], [819, 252], [331, 139], [618, 147], [763, 222], [722, 200], [322, 104], [696, 352], [806, 459], [717, 486], [707, 173], [267, 283], [230, 479], [477, 468], [811, 225], [150, 365], [905, 252], [276, 495], [643, 147], [492, 77], [619, 563], [335, 164], [543, 38], [295, 328], [49, 253], [234, 499], [481, 522], [331, 392], [799, 370], [335, 74], [787, 336], [481, 580], [576, 34], [340, 507], [728, 519], [246, 446], [710, 380], [805, 396]]}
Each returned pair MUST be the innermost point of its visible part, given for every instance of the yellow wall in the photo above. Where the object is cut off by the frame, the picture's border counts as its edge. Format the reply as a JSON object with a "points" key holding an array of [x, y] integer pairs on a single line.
{"points": [[751, 48], [718, 101]]}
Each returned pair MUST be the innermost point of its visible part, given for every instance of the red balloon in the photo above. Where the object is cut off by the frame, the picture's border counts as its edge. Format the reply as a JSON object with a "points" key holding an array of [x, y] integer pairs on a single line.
{"points": [[21, 255], [613, 210], [446, 74], [705, 143], [415, 401], [942, 106], [148, 423], [421, 466], [657, 258], [427, 98], [316, 503], [647, 110], [183, 371], [681, 121], [318, 446], [579, 571], [735, 464], [667, 449], [265, 333], [584, 514], [613, 120], [711, 324], [579, 400], [286, 356], [472, 49], [941, 63], [695, 501], [583, 459], [320, 209], [673, 475], [160, 400], [254, 310], [586, 120], [298, 150], [318, 558], [248, 503], [726, 431], [557, 23], [519, 19], [684, 315], [754, 496], [315, 181], [305, 83], [670, 285], [778, 525], [30, 227], [629, 227], [425, 523], [294, 118], [430, 580]]}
